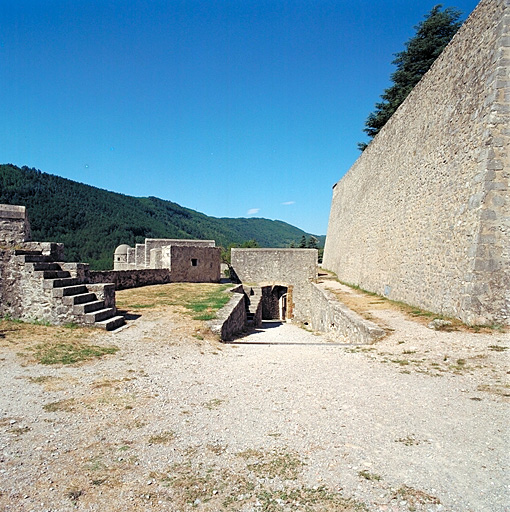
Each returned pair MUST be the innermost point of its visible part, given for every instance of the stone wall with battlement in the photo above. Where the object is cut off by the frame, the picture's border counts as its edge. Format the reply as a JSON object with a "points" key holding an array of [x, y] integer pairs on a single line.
{"points": [[423, 216]]}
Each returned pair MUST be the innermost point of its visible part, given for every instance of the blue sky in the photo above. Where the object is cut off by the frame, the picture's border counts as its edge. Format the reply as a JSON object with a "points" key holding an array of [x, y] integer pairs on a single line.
{"points": [[234, 108]]}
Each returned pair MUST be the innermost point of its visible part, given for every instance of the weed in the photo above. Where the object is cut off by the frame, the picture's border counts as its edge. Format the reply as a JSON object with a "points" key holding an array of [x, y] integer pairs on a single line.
{"points": [[71, 325], [409, 440], [497, 348], [74, 494], [496, 389], [415, 497], [369, 476], [61, 405], [213, 404], [41, 379], [401, 362], [163, 438], [18, 431]]}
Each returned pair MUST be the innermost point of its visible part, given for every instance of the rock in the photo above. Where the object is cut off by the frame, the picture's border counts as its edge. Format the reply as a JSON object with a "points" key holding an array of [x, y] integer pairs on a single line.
{"points": [[438, 325]]}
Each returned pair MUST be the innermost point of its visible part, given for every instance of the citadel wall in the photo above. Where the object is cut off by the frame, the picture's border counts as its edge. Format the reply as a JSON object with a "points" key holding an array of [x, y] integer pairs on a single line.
{"points": [[423, 216]]}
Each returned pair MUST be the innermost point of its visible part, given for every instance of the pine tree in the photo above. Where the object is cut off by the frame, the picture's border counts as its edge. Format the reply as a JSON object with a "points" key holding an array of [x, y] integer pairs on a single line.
{"points": [[432, 35], [302, 244]]}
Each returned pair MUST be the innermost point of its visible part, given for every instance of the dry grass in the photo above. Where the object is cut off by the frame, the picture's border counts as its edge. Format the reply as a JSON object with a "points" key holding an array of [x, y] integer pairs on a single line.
{"points": [[363, 302], [200, 300], [52, 345]]}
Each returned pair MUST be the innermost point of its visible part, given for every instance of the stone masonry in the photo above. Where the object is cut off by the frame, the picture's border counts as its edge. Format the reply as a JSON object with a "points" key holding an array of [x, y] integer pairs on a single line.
{"points": [[35, 284], [423, 216]]}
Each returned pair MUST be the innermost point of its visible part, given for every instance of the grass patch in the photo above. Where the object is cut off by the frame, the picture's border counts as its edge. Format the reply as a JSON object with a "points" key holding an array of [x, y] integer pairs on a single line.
{"points": [[69, 353], [497, 348], [364, 301], [198, 485], [213, 404]]}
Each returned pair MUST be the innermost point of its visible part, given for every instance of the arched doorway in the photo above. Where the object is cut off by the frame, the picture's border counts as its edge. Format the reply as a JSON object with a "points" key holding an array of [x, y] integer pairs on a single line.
{"points": [[276, 302]]}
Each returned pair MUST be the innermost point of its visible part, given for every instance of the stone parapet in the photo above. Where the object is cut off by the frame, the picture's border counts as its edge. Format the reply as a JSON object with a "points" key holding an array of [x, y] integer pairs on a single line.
{"points": [[328, 314], [124, 279], [231, 319]]}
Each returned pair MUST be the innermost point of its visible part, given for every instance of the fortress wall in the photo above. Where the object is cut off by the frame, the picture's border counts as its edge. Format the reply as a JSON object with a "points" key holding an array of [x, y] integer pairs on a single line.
{"points": [[423, 216]]}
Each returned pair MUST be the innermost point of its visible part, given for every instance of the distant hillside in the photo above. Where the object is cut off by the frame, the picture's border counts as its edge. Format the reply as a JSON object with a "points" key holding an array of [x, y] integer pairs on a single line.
{"points": [[92, 222]]}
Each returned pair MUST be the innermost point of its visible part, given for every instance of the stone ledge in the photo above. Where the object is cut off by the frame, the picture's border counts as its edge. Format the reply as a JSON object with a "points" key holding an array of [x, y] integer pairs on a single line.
{"points": [[231, 318], [331, 315]]}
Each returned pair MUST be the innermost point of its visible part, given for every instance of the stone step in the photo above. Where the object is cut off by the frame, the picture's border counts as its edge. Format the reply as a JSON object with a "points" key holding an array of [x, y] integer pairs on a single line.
{"points": [[80, 298], [27, 252], [52, 274], [46, 266], [99, 315], [111, 323], [60, 282], [88, 307], [66, 291], [37, 258]]}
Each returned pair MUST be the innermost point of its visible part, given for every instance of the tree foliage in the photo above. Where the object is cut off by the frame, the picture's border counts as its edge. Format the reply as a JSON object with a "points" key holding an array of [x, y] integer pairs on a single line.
{"points": [[432, 35]]}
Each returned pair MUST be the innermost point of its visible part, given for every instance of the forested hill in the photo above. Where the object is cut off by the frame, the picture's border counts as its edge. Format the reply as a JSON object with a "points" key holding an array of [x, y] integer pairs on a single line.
{"points": [[92, 222]]}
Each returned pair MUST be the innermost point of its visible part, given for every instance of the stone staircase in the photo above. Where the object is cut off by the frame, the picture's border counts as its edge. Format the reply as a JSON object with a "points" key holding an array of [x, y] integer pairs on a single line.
{"points": [[254, 296], [68, 299]]}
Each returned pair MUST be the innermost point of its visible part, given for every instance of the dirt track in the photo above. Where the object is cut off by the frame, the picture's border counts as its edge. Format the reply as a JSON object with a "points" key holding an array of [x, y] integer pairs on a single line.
{"points": [[281, 420]]}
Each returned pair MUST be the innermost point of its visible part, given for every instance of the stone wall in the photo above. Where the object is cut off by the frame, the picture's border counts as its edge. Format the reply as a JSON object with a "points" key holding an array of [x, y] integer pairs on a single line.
{"points": [[423, 216], [294, 268], [124, 279], [14, 225], [328, 314], [231, 319]]}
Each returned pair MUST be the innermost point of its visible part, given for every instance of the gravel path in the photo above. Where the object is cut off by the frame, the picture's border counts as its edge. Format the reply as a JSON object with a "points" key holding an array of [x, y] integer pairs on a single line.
{"points": [[282, 419]]}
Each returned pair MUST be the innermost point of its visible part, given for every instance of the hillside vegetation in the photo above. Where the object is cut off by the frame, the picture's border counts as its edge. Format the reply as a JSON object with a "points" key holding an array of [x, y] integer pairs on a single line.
{"points": [[92, 222]]}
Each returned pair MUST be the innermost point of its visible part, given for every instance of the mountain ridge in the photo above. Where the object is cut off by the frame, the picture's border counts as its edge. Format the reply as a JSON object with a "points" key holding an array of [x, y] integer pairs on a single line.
{"points": [[92, 222]]}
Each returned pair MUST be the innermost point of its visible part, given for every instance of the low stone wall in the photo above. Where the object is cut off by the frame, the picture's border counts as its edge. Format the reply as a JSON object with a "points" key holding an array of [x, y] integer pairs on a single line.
{"points": [[231, 319], [328, 314], [124, 279]]}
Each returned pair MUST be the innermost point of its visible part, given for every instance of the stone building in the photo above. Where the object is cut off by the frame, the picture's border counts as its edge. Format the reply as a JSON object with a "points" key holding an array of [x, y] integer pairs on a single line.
{"points": [[187, 260], [423, 216]]}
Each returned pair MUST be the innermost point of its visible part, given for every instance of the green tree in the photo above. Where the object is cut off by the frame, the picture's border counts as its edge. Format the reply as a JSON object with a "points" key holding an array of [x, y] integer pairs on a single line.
{"points": [[432, 35], [302, 244], [312, 242]]}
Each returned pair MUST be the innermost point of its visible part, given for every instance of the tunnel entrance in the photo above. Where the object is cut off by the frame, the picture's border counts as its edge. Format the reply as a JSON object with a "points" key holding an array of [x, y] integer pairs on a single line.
{"points": [[276, 302]]}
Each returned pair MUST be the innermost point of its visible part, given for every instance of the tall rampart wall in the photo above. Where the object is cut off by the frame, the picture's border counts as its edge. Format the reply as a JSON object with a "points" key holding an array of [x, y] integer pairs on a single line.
{"points": [[423, 216]]}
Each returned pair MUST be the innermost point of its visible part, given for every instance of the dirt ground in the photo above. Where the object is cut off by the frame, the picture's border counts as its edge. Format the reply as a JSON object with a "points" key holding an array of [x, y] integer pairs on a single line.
{"points": [[162, 416]]}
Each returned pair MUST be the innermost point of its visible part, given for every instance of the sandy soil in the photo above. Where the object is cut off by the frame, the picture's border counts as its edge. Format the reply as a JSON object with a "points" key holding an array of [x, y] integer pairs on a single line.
{"points": [[282, 419]]}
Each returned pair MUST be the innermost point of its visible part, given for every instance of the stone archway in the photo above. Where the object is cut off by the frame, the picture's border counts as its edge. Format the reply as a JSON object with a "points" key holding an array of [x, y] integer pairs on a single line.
{"points": [[277, 302]]}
